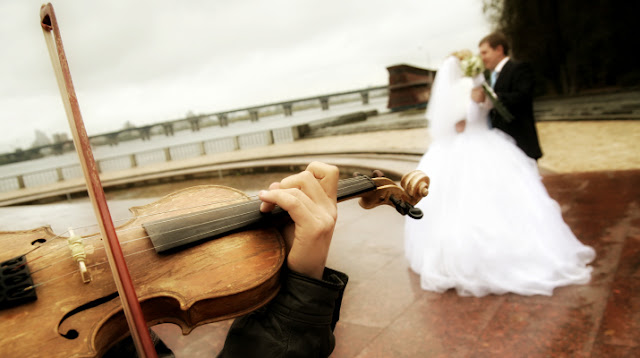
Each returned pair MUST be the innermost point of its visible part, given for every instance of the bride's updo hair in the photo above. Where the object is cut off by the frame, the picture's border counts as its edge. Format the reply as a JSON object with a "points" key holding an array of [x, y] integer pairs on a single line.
{"points": [[462, 54]]}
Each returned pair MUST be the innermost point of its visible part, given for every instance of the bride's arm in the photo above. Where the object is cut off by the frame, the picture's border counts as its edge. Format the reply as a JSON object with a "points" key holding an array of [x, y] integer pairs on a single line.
{"points": [[477, 95], [460, 125]]}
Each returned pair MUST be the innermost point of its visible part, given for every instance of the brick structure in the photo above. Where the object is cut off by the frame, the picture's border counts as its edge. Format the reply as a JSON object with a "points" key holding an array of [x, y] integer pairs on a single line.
{"points": [[409, 87]]}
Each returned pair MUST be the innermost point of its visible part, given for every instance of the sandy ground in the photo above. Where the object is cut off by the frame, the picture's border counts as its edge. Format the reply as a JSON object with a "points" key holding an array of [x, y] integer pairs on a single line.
{"points": [[589, 146]]}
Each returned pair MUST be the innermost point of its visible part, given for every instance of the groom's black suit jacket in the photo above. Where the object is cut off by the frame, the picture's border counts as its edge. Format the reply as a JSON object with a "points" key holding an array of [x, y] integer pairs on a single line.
{"points": [[514, 87]]}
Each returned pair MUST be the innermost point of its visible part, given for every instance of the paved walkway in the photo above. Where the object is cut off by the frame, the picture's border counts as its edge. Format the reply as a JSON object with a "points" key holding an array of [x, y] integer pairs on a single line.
{"points": [[386, 314], [591, 168], [392, 142]]}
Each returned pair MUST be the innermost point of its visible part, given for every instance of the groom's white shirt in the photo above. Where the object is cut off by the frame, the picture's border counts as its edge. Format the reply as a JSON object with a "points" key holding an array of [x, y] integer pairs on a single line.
{"points": [[487, 102], [501, 65]]}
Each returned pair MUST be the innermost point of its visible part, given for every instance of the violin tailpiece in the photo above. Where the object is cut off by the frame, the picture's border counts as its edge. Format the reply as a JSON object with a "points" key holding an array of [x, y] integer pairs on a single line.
{"points": [[16, 285]]}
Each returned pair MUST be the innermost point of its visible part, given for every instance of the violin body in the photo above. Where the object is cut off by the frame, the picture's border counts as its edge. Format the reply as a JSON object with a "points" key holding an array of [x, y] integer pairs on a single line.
{"points": [[212, 281]]}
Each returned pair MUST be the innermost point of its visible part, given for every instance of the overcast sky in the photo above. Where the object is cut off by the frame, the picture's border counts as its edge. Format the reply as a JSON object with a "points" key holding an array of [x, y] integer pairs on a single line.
{"points": [[150, 61]]}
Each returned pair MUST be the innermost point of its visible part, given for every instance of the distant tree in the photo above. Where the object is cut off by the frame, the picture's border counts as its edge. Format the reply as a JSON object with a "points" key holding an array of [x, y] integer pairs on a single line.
{"points": [[575, 45]]}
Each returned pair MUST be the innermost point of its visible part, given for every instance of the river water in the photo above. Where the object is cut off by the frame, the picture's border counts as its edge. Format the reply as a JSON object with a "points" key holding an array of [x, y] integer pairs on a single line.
{"points": [[187, 136]]}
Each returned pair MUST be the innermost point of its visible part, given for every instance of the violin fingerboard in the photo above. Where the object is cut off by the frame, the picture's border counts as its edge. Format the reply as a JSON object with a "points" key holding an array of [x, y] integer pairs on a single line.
{"points": [[189, 229]]}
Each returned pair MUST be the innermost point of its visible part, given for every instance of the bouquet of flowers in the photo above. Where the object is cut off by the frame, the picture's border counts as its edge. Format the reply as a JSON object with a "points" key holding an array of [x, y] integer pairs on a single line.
{"points": [[472, 66]]}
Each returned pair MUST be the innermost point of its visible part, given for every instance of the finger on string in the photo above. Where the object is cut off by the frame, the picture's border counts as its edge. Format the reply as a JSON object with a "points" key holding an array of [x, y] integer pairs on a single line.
{"points": [[265, 206], [310, 186], [291, 196], [292, 200], [328, 176]]}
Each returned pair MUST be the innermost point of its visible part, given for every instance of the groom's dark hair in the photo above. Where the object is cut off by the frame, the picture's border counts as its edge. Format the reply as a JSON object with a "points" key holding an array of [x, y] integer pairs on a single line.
{"points": [[496, 39]]}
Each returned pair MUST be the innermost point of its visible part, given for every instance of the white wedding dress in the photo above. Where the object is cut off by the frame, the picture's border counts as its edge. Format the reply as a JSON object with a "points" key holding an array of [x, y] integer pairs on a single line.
{"points": [[489, 225]]}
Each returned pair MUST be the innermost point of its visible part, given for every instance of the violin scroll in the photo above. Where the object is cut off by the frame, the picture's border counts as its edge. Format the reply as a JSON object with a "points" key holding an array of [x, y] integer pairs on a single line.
{"points": [[416, 184], [413, 187]]}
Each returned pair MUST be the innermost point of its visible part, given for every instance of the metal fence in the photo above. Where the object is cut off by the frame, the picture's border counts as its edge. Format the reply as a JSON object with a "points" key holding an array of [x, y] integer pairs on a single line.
{"points": [[183, 151], [150, 157]]}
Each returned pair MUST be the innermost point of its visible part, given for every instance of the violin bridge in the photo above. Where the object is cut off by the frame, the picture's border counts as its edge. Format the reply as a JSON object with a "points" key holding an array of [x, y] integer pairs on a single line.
{"points": [[78, 252]]}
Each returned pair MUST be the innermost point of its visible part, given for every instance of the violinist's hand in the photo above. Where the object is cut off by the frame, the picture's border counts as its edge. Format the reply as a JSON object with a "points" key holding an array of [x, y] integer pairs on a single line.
{"points": [[310, 198], [461, 125]]}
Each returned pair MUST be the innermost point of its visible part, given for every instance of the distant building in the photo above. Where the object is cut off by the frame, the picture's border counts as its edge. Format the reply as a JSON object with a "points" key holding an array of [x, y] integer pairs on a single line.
{"points": [[60, 137], [409, 87], [41, 140]]}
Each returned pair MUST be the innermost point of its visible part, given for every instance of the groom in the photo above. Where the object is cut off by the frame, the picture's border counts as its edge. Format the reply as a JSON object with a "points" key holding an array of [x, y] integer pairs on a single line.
{"points": [[513, 82]]}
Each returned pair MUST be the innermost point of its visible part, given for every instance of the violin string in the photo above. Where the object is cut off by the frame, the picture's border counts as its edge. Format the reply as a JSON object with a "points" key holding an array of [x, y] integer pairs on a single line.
{"points": [[50, 264], [207, 232], [168, 220], [212, 230], [47, 243], [189, 215], [64, 275], [196, 225], [89, 267], [97, 236], [106, 262], [185, 227], [129, 241], [19, 267], [348, 181], [246, 202], [50, 280], [32, 250], [218, 207]]}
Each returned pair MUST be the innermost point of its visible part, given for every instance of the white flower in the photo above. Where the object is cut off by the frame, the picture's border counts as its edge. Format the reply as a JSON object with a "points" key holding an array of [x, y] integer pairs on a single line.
{"points": [[472, 66]]}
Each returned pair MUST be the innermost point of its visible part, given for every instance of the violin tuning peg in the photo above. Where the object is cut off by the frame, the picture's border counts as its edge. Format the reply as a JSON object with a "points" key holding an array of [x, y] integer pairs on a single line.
{"points": [[415, 213], [405, 208], [377, 174]]}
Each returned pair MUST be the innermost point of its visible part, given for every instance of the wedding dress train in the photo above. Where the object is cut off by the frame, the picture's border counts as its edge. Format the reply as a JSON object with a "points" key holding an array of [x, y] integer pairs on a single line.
{"points": [[489, 224]]}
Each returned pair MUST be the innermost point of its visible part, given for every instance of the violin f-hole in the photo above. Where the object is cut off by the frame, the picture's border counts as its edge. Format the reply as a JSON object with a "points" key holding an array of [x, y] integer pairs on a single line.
{"points": [[38, 241], [72, 333]]}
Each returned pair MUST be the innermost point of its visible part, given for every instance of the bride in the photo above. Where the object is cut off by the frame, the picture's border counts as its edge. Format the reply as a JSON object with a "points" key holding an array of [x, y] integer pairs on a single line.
{"points": [[489, 224]]}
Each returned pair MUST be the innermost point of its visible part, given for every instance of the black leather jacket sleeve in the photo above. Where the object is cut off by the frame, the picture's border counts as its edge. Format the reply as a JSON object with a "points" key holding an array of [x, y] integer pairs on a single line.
{"points": [[298, 322]]}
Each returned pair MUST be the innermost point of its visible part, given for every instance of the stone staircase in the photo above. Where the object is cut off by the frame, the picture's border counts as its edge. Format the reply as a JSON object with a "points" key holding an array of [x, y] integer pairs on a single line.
{"points": [[605, 106]]}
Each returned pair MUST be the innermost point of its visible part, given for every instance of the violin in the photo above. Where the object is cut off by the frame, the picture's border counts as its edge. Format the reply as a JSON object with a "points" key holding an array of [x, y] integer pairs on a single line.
{"points": [[199, 255], [161, 266]]}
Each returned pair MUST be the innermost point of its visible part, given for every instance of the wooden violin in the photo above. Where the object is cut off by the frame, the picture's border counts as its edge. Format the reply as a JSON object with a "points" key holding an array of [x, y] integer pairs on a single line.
{"points": [[77, 296], [191, 258]]}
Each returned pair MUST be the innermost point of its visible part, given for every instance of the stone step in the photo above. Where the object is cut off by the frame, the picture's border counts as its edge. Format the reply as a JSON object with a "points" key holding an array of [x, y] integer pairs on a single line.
{"points": [[606, 106]]}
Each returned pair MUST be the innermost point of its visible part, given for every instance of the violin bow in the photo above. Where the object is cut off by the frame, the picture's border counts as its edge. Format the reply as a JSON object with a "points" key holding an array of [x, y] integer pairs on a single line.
{"points": [[130, 304]]}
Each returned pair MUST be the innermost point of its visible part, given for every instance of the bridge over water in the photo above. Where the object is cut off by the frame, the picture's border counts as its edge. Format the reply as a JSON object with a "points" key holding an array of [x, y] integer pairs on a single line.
{"points": [[235, 133], [196, 122]]}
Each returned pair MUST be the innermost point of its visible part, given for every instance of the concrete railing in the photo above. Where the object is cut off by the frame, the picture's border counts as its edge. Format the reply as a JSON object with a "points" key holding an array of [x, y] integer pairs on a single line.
{"points": [[195, 122], [154, 156], [281, 130]]}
